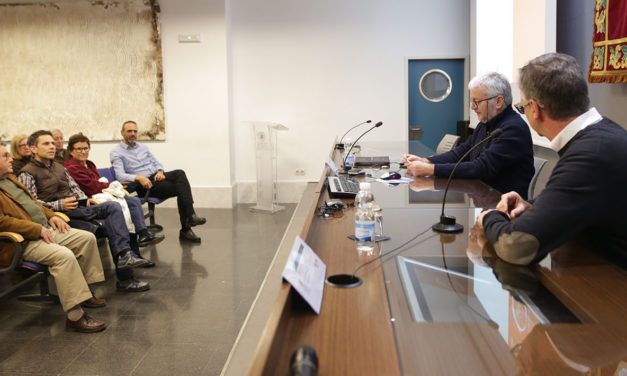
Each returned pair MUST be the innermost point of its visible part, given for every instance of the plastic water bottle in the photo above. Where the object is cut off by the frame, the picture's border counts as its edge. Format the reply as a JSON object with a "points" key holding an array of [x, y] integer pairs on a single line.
{"points": [[364, 219], [367, 194]]}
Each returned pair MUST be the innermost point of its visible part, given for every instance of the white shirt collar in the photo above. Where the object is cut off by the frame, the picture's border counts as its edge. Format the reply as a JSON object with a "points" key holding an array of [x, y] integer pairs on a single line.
{"points": [[582, 121]]}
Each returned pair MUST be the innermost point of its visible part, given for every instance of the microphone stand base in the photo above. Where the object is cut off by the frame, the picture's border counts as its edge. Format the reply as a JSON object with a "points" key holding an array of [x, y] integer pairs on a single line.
{"points": [[453, 228], [344, 281]]}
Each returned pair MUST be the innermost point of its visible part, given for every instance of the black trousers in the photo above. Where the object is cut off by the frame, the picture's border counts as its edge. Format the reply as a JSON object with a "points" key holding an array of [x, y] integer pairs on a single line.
{"points": [[174, 185]]}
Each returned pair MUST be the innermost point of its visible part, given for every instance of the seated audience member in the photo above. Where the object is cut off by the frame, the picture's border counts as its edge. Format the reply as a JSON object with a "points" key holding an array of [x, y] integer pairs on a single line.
{"points": [[85, 174], [133, 162], [584, 198], [506, 162], [71, 255], [51, 185], [20, 152], [61, 155]]}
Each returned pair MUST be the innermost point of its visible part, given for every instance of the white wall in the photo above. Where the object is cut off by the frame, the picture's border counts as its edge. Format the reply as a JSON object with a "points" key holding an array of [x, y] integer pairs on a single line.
{"points": [[491, 40], [522, 30], [494, 33], [535, 26], [317, 67], [321, 67]]}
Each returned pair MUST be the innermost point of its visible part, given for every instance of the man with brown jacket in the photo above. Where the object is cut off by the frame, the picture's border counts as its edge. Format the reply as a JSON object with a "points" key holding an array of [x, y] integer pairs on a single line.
{"points": [[70, 254]]}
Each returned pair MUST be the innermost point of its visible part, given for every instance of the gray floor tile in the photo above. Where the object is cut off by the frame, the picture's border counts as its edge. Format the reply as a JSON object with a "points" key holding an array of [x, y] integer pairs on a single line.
{"points": [[179, 359], [108, 356], [9, 346], [217, 360], [52, 356], [186, 324]]}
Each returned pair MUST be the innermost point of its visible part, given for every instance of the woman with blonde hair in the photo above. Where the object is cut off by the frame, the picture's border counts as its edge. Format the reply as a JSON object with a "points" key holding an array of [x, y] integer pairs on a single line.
{"points": [[20, 152]]}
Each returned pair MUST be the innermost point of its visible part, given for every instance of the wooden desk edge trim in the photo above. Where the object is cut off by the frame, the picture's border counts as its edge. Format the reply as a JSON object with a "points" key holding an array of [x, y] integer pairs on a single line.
{"points": [[252, 345]]}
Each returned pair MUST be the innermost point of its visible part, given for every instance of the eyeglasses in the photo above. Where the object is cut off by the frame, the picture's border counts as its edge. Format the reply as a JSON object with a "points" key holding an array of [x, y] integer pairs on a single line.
{"points": [[520, 106], [6, 155], [22, 145], [81, 150], [475, 102]]}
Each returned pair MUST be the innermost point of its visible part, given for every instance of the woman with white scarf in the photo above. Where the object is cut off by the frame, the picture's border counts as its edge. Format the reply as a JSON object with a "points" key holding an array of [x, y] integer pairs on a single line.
{"points": [[86, 175]]}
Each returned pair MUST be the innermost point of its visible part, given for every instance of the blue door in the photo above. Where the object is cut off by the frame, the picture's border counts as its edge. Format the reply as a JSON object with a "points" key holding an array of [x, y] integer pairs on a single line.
{"points": [[436, 98]]}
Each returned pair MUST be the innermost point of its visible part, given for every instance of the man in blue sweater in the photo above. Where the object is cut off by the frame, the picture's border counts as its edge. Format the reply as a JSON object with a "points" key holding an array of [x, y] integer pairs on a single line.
{"points": [[585, 196], [506, 162]]}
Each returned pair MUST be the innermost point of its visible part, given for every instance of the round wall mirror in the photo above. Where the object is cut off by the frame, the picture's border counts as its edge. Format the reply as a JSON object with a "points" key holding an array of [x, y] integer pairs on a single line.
{"points": [[435, 85]]}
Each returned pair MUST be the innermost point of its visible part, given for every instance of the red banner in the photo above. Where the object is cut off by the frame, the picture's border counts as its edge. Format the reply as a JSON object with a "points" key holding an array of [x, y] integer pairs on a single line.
{"points": [[609, 42]]}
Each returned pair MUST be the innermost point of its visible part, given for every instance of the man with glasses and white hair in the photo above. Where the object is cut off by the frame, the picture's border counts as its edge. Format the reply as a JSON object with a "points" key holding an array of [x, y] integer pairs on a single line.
{"points": [[505, 162], [585, 196]]}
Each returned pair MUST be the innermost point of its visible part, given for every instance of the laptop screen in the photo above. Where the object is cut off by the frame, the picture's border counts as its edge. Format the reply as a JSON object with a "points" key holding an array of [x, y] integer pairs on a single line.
{"points": [[333, 167]]}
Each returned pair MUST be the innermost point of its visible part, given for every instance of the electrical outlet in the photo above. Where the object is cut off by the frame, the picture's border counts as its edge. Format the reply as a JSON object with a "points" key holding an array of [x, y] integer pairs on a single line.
{"points": [[299, 172]]}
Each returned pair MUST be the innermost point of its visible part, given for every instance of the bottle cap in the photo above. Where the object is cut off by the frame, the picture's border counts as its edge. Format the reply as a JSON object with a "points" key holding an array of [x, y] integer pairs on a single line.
{"points": [[364, 186]]}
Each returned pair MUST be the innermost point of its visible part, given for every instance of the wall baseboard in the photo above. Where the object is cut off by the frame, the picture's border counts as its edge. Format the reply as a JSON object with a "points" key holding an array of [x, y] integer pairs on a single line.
{"points": [[288, 191]]}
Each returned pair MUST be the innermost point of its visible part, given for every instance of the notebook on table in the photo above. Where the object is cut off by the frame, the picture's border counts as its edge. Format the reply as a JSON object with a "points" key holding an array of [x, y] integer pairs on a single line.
{"points": [[371, 161]]}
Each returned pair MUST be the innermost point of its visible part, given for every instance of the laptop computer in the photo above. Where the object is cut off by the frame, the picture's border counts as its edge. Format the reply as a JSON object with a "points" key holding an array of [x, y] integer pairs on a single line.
{"points": [[340, 186]]}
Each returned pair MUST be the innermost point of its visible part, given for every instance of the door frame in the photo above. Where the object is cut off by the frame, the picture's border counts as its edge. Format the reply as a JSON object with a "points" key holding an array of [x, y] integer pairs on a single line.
{"points": [[466, 59]]}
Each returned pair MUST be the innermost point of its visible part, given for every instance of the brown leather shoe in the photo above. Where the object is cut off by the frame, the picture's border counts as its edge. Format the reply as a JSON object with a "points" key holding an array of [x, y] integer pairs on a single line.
{"points": [[85, 324], [94, 302]]}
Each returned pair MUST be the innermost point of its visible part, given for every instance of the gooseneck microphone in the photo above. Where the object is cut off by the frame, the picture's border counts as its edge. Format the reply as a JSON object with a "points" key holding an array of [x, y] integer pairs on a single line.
{"points": [[448, 223], [346, 168], [304, 362], [340, 145]]}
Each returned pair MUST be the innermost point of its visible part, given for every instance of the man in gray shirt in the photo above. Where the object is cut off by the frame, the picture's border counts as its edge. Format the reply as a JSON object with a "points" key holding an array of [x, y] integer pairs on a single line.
{"points": [[134, 162]]}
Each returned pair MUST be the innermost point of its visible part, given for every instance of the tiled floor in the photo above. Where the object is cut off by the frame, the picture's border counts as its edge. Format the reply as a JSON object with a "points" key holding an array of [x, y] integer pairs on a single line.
{"points": [[185, 325]]}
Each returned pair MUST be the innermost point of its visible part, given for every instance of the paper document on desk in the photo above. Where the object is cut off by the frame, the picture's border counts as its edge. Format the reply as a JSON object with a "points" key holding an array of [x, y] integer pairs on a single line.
{"points": [[305, 271], [396, 181]]}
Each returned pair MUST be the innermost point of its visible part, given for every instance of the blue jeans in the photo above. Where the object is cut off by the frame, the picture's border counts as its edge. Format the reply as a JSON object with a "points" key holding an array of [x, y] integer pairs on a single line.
{"points": [[115, 225], [137, 213]]}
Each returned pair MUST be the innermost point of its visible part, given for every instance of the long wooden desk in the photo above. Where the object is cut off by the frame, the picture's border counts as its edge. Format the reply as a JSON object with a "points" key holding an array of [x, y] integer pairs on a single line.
{"points": [[437, 304]]}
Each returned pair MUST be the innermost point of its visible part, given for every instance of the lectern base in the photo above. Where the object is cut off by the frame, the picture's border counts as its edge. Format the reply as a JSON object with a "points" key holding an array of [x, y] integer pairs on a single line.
{"points": [[265, 210]]}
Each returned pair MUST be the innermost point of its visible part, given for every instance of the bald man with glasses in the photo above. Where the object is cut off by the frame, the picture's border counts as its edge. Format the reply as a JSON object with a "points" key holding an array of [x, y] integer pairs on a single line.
{"points": [[134, 162], [506, 162]]}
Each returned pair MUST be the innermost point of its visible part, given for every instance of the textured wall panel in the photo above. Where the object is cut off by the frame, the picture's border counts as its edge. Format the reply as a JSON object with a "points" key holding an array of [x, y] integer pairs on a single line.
{"points": [[81, 66]]}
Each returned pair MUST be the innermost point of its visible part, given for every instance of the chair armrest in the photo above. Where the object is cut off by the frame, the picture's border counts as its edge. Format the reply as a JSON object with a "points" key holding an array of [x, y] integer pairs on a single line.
{"points": [[17, 240], [63, 216], [13, 236]]}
